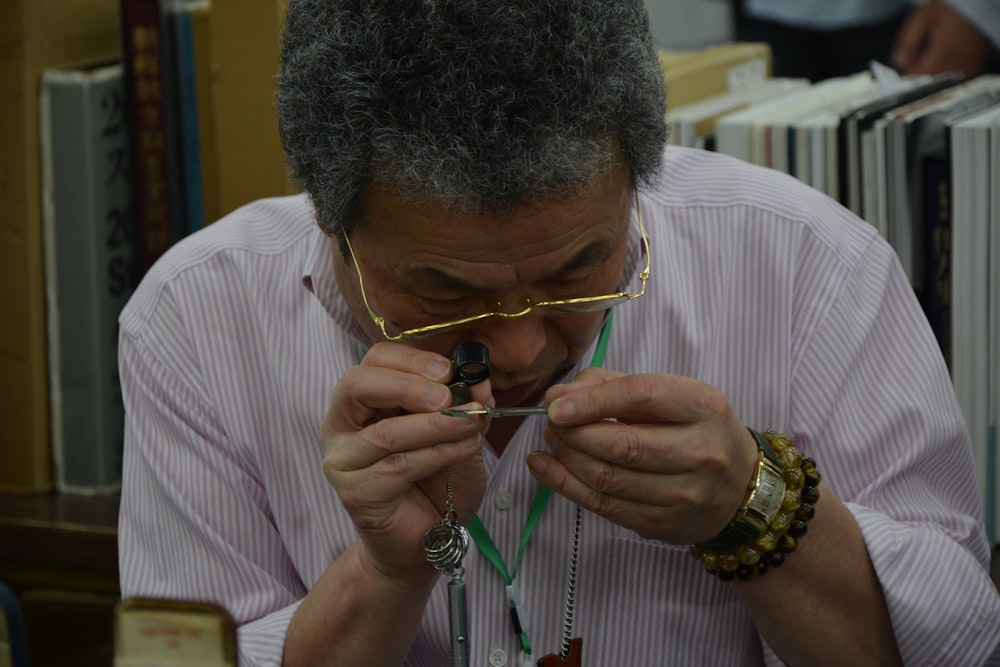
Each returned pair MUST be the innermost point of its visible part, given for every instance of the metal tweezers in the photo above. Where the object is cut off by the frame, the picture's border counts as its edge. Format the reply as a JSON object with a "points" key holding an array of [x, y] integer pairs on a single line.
{"points": [[520, 411]]}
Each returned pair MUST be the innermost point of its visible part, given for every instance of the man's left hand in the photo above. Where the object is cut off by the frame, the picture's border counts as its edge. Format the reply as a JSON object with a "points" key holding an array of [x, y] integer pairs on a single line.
{"points": [[662, 455]]}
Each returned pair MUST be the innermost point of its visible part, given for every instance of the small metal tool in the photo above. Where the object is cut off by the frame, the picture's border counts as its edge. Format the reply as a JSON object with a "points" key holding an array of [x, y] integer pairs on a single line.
{"points": [[519, 411]]}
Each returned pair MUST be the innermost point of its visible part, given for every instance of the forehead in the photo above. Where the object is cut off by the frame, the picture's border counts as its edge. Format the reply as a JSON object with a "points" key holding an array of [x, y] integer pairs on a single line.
{"points": [[409, 235]]}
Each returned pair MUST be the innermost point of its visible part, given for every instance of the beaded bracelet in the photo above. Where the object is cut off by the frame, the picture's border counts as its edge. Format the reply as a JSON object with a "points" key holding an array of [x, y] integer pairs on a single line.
{"points": [[756, 556]]}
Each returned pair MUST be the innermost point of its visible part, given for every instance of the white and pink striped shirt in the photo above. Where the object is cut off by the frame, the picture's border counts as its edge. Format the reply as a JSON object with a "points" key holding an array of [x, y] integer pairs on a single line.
{"points": [[760, 286]]}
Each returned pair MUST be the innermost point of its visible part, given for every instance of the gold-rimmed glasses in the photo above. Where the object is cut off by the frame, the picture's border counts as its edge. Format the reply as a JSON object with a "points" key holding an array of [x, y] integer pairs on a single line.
{"points": [[586, 304]]}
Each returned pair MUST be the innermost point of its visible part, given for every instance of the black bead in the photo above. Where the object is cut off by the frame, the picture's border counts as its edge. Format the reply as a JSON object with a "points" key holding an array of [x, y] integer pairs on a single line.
{"points": [[743, 572], [810, 495], [776, 559], [798, 528], [805, 512], [761, 567], [726, 575]]}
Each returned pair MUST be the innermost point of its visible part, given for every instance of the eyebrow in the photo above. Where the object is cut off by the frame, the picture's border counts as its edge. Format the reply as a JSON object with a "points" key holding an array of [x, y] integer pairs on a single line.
{"points": [[429, 278]]}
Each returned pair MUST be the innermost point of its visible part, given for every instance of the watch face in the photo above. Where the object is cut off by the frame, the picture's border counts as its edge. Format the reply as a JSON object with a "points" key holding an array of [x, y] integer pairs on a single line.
{"points": [[768, 494]]}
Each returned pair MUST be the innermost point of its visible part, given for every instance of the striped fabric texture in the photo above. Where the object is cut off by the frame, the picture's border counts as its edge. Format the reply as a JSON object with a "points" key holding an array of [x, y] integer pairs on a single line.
{"points": [[798, 311]]}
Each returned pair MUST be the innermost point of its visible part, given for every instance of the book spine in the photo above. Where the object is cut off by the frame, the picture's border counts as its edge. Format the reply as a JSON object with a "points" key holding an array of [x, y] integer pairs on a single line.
{"points": [[145, 81], [936, 288], [201, 46], [89, 252], [187, 115]]}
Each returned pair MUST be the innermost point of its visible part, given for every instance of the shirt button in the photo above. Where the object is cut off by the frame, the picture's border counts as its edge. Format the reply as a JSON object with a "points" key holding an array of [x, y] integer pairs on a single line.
{"points": [[498, 657], [503, 499]]}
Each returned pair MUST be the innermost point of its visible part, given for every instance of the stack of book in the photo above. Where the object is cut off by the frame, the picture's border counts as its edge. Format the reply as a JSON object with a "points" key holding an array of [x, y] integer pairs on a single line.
{"points": [[200, 86], [138, 149], [919, 159]]}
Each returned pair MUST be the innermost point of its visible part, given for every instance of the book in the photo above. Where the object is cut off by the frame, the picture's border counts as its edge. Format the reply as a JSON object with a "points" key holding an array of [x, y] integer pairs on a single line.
{"points": [[973, 223], [199, 16], [693, 124], [738, 134], [992, 464], [781, 135], [909, 139], [690, 76], [935, 293], [186, 107], [857, 121], [149, 85], [173, 633], [89, 251], [35, 35]]}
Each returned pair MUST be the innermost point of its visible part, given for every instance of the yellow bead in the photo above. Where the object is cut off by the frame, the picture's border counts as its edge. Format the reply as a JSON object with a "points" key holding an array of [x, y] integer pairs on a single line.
{"points": [[791, 501], [780, 522], [794, 478], [749, 555], [730, 561], [780, 441], [766, 541], [711, 560], [791, 458]]}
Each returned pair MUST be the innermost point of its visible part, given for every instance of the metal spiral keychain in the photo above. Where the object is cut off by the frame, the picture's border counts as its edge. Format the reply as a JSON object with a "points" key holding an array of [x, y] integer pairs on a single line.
{"points": [[445, 546], [447, 542]]}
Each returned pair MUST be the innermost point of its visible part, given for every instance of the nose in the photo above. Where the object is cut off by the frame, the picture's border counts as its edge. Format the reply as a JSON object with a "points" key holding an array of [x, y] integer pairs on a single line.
{"points": [[514, 343]]}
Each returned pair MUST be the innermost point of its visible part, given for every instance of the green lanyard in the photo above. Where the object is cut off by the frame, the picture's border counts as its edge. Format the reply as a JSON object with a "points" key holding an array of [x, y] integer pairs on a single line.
{"points": [[485, 543]]}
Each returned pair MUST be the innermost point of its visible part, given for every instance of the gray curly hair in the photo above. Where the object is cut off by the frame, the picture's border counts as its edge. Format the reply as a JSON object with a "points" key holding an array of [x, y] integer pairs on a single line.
{"points": [[478, 104]]}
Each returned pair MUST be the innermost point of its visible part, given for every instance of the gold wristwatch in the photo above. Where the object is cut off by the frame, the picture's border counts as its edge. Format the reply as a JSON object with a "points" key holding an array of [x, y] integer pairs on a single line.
{"points": [[761, 505]]}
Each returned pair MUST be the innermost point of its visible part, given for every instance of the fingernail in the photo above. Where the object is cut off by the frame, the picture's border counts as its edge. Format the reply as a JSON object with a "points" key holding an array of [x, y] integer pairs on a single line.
{"points": [[439, 395], [562, 409], [537, 463], [438, 368]]}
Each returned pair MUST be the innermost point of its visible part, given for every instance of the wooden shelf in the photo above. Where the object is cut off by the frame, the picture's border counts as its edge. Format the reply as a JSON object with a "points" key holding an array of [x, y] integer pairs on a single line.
{"points": [[60, 541]]}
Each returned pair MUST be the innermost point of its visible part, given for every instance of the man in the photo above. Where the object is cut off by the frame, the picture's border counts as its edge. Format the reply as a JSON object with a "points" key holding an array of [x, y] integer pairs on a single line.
{"points": [[819, 39], [953, 36], [494, 172]]}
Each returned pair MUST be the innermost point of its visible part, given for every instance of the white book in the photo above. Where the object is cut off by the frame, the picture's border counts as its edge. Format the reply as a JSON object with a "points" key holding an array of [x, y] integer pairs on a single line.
{"points": [[693, 122], [826, 96], [972, 182], [993, 469], [89, 252], [870, 167], [733, 132]]}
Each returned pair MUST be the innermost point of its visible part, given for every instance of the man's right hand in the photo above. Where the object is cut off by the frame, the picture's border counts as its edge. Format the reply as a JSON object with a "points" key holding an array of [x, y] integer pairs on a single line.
{"points": [[388, 448]]}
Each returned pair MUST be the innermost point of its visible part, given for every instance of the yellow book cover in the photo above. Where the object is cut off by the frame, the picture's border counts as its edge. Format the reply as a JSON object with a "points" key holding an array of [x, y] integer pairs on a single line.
{"points": [[690, 76]]}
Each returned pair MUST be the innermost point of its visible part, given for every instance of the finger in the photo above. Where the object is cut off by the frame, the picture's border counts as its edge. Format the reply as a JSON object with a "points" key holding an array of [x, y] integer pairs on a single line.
{"points": [[662, 449], [482, 393], [397, 437], [390, 476], [587, 378], [651, 486], [644, 398], [667, 522], [366, 392], [428, 364]]}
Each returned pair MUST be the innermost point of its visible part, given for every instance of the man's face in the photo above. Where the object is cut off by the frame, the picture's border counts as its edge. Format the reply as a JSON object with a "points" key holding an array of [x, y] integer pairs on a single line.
{"points": [[423, 264]]}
